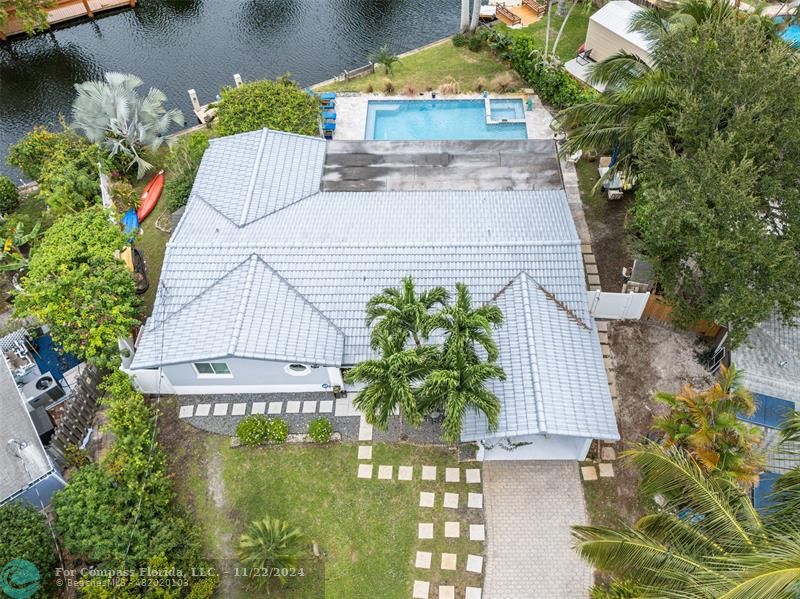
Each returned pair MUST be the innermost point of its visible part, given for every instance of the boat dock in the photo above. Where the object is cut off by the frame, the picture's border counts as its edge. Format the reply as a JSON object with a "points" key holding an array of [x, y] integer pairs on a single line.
{"points": [[66, 10]]}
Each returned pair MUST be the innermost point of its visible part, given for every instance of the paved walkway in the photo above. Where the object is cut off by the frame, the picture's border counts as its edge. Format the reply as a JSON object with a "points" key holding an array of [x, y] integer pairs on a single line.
{"points": [[529, 508]]}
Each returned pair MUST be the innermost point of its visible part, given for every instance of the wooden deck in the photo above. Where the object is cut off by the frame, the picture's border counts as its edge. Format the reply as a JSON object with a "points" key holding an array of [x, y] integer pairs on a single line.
{"points": [[67, 10], [523, 13]]}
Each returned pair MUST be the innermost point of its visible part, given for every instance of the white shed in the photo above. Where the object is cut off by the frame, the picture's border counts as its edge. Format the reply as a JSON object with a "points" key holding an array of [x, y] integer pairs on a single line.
{"points": [[609, 32]]}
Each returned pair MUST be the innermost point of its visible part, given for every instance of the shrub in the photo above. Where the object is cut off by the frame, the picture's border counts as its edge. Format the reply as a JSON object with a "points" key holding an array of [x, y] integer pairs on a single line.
{"points": [[369, 88], [459, 40], [31, 152], [388, 86], [182, 163], [9, 196], [279, 105], [551, 81], [124, 196], [409, 90], [475, 43], [24, 535], [449, 87], [253, 430], [320, 430], [480, 84], [278, 430], [504, 82]]}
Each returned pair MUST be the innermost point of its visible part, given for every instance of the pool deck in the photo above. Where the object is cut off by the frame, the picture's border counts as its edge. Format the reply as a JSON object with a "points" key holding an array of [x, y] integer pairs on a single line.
{"points": [[351, 113]]}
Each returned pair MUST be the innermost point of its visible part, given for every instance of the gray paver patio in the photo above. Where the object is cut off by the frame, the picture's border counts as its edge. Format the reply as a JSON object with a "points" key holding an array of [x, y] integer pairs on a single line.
{"points": [[423, 560], [530, 507]]}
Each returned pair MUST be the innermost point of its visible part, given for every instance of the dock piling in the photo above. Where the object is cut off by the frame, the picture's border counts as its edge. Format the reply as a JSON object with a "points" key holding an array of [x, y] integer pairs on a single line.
{"points": [[237, 79]]}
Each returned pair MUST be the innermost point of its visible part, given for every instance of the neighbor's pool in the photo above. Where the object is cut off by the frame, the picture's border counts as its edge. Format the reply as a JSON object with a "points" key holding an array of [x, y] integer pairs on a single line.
{"points": [[791, 34], [445, 119]]}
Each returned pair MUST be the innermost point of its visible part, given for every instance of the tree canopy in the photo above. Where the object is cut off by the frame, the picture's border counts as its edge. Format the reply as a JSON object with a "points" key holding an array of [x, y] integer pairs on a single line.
{"points": [[24, 535], [77, 285]]}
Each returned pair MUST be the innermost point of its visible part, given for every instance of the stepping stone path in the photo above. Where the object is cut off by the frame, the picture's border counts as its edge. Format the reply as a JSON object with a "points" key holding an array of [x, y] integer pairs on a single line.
{"points": [[275, 407], [239, 409], [259, 407], [448, 561], [364, 430], [477, 532], [423, 560], [475, 501], [475, 563], [451, 500], [425, 530], [426, 499], [447, 592], [385, 472], [326, 407], [452, 475], [309, 407], [421, 589], [589, 473], [606, 470], [186, 412], [429, 473], [292, 407], [473, 593], [365, 452], [365, 471], [203, 409], [405, 472], [220, 409], [452, 530], [473, 476]]}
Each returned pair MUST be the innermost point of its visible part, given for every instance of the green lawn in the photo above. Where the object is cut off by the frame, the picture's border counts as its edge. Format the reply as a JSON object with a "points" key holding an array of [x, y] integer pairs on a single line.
{"points": [[153, 244], [429, 68], [366, 529], [574, 32]]}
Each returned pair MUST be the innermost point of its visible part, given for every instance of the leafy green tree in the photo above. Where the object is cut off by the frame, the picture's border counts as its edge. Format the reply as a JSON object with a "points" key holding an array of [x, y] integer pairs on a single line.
{"points": [[9, 196], [113, 114], [32, 14], [402, 312], [17, 245], [707, 540], [280, 105], [182, 164], [391, 380], [271, 545], [706, 425], [77, 285], [386, 59], [24, 535]]}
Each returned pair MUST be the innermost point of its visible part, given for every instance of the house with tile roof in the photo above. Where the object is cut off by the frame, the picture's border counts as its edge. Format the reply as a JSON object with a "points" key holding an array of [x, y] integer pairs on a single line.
{"points": [[267, 275]]}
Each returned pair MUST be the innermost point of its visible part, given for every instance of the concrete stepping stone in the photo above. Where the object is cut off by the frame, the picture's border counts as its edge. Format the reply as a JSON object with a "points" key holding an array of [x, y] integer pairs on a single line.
{"points": [[452, 475], [429, 473], [608, 454], [292, 407], [186, 412], [421, 589], [448, 561], [607, 470], [365, 471], [220, 409], [385, 472], [275, 407], [239, 409], [589, 472], [452, 530], [405, 472], [426, 499], [473, 476], [425, 530], [364, 430], [475, 501], [344, 407], [447, 592], [326, 407], [365, 452], [259, 407], [203, 409], [472, 593], [450, 500], [475, 563], [423, 560], [477, 532], [309, 407]]}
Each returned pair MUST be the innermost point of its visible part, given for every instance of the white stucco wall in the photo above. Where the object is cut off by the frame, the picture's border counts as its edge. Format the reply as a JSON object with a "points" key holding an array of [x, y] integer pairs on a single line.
{"points": [[537, 447]]}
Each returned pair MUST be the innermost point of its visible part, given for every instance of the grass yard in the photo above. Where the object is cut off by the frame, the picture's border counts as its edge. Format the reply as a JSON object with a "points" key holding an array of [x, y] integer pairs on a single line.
{"points": [[153, 244], [574, 32], [429, 68], [366, 529]]}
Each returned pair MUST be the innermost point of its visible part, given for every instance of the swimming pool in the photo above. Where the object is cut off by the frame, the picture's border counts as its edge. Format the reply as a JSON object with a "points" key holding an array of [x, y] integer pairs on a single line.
{"points": [[446, 119], [791, 34]]}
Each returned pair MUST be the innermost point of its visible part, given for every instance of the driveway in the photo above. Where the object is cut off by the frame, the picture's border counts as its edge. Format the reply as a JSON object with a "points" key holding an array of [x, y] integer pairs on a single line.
{"points": [[530, 507]]}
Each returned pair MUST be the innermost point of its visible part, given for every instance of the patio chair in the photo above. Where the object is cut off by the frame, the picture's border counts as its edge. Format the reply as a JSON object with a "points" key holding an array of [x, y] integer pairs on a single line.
{"points": [[328, 115], [329, 126], [584, 56], [327, 96]]}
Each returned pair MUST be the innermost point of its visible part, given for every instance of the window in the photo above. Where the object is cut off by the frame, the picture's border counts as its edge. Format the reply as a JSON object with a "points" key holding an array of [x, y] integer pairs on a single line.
{"points": [[297, 369], [209, 369]]}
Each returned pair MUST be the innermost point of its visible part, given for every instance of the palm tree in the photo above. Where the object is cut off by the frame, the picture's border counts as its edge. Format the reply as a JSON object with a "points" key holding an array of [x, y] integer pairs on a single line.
{"points": [[465, 326], [385, 58], [706, 425], [391, 380], [458, 385], [476, 15], [402, 312], [707, 540], [464, 16], [113, 114], [271, 545]]}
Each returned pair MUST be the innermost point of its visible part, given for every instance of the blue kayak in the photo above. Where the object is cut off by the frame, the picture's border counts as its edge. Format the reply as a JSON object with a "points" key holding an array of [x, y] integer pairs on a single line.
{"points": [[130, 223]]}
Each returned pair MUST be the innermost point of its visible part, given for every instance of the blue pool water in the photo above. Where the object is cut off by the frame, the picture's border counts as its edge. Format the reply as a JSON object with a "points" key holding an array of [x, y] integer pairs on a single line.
{"points": [[51, 358], [791, 34], [443, 119]]}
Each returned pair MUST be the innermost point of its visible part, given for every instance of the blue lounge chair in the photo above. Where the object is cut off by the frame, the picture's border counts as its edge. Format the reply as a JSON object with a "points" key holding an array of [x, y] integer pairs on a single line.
{"points": [[328, 115], [326, 96], [329, 126]]}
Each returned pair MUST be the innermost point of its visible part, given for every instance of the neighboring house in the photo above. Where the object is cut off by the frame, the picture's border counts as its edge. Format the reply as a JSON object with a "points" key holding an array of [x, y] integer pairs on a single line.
{"points": [[26, 472], [266, 279], [609, 32]]}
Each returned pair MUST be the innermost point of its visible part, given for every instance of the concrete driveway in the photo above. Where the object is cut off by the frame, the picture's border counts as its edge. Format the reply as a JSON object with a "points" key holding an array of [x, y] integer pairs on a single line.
{"points": [[530, 507]]}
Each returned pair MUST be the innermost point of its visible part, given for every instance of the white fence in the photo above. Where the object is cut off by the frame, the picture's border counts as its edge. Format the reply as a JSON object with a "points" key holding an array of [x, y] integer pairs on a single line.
{"points": [[617, 306]]}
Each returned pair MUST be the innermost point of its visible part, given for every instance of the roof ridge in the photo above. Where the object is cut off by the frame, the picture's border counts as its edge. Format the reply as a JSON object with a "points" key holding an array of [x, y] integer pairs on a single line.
{"points": [[372, 244], [530, 333], [251, 188], [571, 315], [245, 298]]}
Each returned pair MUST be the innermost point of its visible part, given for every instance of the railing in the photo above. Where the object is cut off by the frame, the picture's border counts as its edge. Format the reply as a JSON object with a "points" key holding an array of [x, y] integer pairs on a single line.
{"points": [[367, 69], [502, 11]]}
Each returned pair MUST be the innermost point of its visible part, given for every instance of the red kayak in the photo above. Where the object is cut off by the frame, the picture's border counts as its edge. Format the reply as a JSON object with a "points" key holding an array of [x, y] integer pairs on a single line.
{"points": [[149, 198]]}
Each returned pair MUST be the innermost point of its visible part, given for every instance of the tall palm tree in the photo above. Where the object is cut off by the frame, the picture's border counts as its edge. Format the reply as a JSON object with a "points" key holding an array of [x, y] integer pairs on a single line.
{"points": [[391, 380], [113, 114], [386, 59], [706, 425], [402, 312], [464, 27], [465, 326], [707, 541], [476, 15], [458, 385], [271, 545]]}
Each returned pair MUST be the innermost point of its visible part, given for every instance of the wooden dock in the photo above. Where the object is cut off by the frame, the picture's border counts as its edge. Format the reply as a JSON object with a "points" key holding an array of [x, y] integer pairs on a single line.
{"points": [[66, 10]]}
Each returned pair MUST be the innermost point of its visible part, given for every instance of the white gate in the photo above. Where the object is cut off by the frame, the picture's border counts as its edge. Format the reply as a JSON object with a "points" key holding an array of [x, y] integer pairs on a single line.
{"points": [[617, 306]]}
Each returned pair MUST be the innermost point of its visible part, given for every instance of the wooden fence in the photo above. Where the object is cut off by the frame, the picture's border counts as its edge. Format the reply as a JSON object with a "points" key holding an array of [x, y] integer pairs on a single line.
{"points": [[78, 414], [659, 310]]}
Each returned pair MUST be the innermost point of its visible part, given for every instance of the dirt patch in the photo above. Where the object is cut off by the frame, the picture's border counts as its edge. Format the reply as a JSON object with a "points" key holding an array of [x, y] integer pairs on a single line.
{"points": [[647, 358]]}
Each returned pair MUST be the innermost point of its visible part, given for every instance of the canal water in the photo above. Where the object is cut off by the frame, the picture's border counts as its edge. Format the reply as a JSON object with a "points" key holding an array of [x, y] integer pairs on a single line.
{"points": [[176, 45]]}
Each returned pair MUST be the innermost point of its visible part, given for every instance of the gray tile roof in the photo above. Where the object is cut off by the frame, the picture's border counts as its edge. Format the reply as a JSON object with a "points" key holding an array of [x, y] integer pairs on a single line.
{"points": [[293, 285], [770, 359]]}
